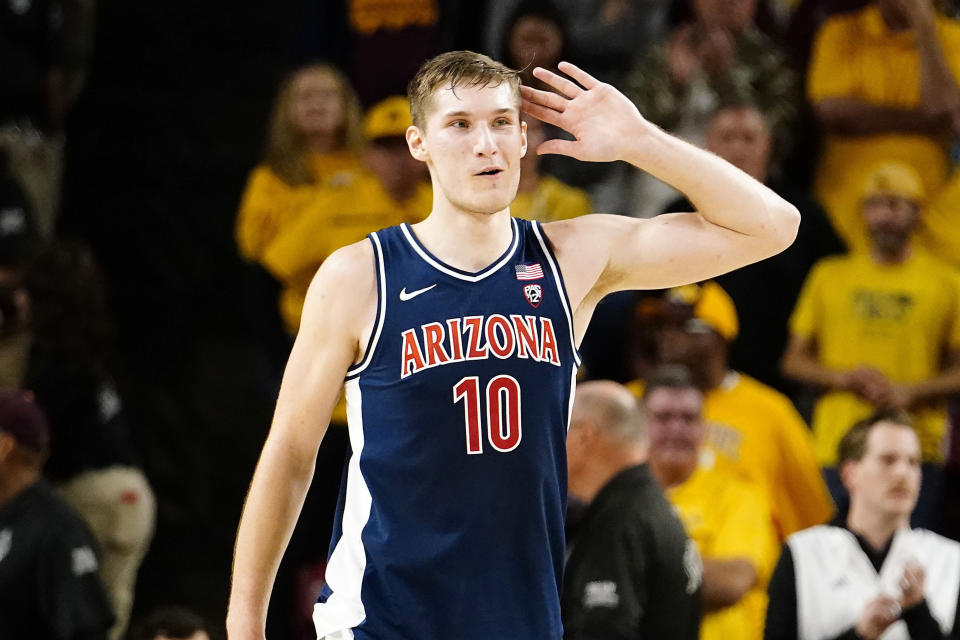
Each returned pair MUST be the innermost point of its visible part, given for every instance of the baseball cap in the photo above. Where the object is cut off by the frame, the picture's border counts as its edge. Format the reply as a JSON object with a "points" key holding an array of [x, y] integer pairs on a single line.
{"points": [[713, 308], [894, 179], [24, 420], [387, 119]]}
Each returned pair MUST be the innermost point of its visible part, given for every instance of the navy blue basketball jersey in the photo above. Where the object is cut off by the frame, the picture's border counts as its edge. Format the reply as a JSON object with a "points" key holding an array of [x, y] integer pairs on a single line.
{"points": [[450, 523]]}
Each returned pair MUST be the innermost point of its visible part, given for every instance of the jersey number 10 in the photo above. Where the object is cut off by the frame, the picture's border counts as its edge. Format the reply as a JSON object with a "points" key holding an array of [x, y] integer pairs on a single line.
{"points": [[503, 412]]}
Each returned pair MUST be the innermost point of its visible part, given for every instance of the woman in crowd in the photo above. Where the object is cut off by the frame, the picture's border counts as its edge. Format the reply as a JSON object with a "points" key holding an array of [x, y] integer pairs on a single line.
{"points": [[313, 140]]}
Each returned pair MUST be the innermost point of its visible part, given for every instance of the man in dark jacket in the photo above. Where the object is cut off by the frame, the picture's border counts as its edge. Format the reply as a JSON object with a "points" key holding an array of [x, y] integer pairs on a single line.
{"points": [[50, 588], [631, 572]]}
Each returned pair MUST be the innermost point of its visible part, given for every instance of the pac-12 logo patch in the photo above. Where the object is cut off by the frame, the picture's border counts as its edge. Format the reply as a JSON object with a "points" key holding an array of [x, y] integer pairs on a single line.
{"points": [[534, 294]]}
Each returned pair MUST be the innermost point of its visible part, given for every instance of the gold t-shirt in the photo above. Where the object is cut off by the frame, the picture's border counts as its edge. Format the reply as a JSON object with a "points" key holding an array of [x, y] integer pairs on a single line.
{"points": [[729, 517], [856, 56], [897, 318]]}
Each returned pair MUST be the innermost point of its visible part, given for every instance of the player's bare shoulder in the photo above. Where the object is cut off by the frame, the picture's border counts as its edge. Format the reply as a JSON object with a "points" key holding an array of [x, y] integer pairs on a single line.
{"points": [[342, 298]]}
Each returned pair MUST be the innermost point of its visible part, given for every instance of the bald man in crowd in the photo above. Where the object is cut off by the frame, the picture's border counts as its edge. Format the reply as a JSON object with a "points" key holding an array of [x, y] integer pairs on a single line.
{"points": [[632, 572]]}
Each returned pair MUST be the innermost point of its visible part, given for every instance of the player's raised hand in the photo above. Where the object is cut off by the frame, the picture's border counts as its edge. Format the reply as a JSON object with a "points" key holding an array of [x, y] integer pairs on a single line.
{"points": [[601, 118]]}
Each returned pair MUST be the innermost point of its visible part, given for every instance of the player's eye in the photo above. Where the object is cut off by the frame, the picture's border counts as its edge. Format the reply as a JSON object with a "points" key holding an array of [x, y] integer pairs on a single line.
{"points": [[501, 122], [459, 124]]}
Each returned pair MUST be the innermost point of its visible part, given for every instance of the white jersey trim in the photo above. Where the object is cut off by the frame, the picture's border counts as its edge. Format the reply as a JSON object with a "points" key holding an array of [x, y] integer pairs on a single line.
{"points": [[381, 312], [344, 609], [477, 277], [560, 288], [573, 395]]}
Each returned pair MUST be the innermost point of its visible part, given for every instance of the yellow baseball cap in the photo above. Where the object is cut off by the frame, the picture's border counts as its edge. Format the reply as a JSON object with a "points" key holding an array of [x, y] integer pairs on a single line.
{"points": [[712, 306], [894, 179], [387, 119]]}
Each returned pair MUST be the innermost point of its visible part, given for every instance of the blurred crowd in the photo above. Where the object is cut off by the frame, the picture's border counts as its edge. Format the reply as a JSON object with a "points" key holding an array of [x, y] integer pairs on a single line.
{"points": [[746, 386]]}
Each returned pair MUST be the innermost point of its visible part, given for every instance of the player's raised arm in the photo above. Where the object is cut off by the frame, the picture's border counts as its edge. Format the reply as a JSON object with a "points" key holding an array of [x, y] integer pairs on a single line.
{"points": [[737, 220], [340, 304]]}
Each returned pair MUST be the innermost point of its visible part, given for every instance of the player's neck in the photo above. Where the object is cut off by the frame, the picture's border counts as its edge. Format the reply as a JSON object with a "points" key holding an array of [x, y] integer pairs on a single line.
{"points": [[465, 240], [876, 528]]}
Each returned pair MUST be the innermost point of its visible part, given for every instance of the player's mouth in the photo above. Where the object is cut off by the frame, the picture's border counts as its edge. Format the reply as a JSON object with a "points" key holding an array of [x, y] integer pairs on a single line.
{"points": [[491, 171]]}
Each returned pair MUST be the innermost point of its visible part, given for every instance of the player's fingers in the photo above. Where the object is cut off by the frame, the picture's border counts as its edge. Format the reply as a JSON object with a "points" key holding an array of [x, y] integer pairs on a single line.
{"points": [[545, 98], [561, 84], [541, 112], [558, 147], [578, 74]]}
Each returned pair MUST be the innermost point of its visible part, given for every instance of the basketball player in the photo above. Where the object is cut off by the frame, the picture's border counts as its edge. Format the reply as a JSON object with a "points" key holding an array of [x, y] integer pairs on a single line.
{"points": [[457, 338]]}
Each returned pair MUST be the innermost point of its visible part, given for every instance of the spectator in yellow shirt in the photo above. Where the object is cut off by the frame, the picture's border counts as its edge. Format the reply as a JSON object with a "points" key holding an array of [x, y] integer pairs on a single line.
{"points": [[883, 85], [727, 516], [394, 190], [753, 427], [881, 329], [313, 140], [540, 196], [740, 134]]}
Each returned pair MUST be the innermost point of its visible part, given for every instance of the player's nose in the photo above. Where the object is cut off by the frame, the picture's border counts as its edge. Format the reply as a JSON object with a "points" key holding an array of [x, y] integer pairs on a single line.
{"points": [[484, 143]]}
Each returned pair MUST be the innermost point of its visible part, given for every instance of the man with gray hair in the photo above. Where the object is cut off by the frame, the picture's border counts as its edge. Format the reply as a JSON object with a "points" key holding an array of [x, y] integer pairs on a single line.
{"points": [[631, 571]]}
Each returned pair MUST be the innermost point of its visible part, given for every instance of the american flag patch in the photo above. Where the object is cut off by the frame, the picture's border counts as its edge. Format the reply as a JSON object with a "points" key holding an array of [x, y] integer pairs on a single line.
{"points": [[529, 271]]}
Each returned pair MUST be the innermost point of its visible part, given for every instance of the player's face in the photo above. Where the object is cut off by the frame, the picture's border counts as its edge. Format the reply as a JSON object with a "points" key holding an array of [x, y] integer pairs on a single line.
{"points": [[741, 137], [316, 107], [472, 143], [887, 479], [674, 425]]}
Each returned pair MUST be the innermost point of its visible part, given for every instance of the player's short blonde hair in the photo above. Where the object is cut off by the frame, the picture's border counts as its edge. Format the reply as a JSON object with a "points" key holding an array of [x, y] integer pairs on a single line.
{"points": [[456, 69]]}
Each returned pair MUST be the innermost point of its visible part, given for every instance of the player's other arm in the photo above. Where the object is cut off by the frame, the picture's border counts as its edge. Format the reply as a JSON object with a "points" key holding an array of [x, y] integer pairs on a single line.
{"points": [[738, 220], [341, 301]]}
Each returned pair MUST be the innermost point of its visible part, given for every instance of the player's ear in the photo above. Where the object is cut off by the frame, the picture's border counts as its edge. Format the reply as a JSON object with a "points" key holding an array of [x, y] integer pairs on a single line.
{"points": [[523, 138], [415, 143]]}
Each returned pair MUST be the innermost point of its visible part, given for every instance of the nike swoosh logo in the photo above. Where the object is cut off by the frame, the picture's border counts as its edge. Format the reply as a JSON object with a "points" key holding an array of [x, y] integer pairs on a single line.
{"points": [[404, 296]]}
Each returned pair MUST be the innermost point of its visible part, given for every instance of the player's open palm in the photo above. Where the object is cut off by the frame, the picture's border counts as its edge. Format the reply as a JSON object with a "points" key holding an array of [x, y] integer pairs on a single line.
{"points": [[600, 118]]}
